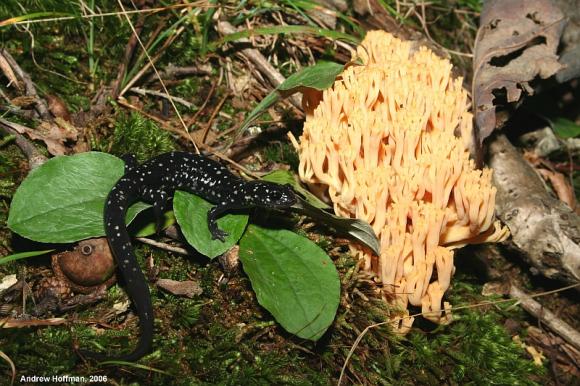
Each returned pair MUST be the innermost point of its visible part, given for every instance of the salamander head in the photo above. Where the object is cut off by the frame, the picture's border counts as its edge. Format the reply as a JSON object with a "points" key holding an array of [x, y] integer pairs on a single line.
{"points": [[268, 194]]}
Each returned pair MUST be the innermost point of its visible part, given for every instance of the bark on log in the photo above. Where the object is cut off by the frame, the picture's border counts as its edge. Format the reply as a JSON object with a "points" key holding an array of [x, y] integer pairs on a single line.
{"points": [[544, 229]]}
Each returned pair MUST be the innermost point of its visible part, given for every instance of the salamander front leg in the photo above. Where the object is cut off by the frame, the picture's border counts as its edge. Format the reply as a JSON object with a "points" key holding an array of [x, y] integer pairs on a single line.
{"points": [[130, 162]]}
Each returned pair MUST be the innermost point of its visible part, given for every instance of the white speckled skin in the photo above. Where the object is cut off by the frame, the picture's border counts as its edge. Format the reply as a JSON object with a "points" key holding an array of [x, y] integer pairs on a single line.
{"points": [[155, 181]]}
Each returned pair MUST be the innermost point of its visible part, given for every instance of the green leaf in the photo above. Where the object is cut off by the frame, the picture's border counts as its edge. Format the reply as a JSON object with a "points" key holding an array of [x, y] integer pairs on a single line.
{"points": [[148, 228], [264, 105], [320, 76], [62, 201], [191, 214], [565, 128], [314, 208], [292, 278], [352, 227], [23, 255]]}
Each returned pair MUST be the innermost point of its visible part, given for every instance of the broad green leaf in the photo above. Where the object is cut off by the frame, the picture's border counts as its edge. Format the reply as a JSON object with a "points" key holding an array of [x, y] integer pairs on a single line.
{"points": [[191, 214], [62, 201], [23, 255], [292, 278], [320, 76], [314, 208], [565, 128]]}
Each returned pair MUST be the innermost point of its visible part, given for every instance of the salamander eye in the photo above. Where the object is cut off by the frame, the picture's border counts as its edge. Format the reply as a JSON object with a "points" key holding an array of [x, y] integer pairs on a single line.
{"points": [[276, 195]]}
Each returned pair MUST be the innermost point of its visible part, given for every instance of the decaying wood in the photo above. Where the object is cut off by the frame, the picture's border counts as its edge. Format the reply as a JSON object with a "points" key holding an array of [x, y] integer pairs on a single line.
{"points": [[569, 49], [544, 229], [563, 329]]}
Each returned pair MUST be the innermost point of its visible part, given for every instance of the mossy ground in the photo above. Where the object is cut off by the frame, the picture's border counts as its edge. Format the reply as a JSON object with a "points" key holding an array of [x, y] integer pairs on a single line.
{"points": [[223, 336]]}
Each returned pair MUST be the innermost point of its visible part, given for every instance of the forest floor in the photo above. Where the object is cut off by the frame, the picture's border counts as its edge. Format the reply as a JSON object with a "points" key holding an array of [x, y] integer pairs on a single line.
{"points": [[85, 62]]}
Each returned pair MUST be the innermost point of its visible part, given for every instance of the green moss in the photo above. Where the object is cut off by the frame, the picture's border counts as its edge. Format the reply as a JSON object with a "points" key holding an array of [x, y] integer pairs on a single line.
{"points": [[137, 135], [475, 349]]}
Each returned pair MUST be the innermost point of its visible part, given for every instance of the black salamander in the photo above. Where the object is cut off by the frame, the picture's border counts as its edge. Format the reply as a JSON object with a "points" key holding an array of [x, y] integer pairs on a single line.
{"points": [[155, 181]]}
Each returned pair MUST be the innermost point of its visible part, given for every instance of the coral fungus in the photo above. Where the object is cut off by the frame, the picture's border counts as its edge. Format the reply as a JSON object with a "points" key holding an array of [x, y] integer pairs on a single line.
{"points": [[381, 146]]}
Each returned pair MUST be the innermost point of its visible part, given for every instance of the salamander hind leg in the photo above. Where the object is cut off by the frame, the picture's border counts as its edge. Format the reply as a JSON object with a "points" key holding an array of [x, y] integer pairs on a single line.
{"points": [[160, 205], [212, 216], [160, 199]]}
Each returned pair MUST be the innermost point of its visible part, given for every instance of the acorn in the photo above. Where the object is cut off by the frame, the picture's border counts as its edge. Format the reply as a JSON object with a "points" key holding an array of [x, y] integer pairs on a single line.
{"points": [[88, 266]]}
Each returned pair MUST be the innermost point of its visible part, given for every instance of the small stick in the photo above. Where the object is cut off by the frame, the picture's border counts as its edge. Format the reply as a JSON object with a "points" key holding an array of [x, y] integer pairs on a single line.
{"points": [[129, 52], [144, 92], [152, 61], [173, 71], [192, 120], [19, 323], [35, 158], [212, 117], [563, 329], [164, 246], [40, 104]]}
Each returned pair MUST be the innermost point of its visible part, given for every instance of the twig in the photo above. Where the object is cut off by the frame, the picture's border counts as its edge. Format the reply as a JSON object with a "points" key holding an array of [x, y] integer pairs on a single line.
{"points": [[35, 158], [192, 120], [151, 61], [172, 71], [164, 246], [261, 63], [19, 323], [39, 104], [234, 163], [11, 364], [144, 92], [241, 145], [422, 18], [212, 117], [563, 329]]}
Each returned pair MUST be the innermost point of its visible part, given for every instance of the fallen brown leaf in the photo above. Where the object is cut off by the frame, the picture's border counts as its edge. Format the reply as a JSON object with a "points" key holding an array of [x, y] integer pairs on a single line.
{"points": [[516, 42], [57, 107], [53, 134], [561, 186]]}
